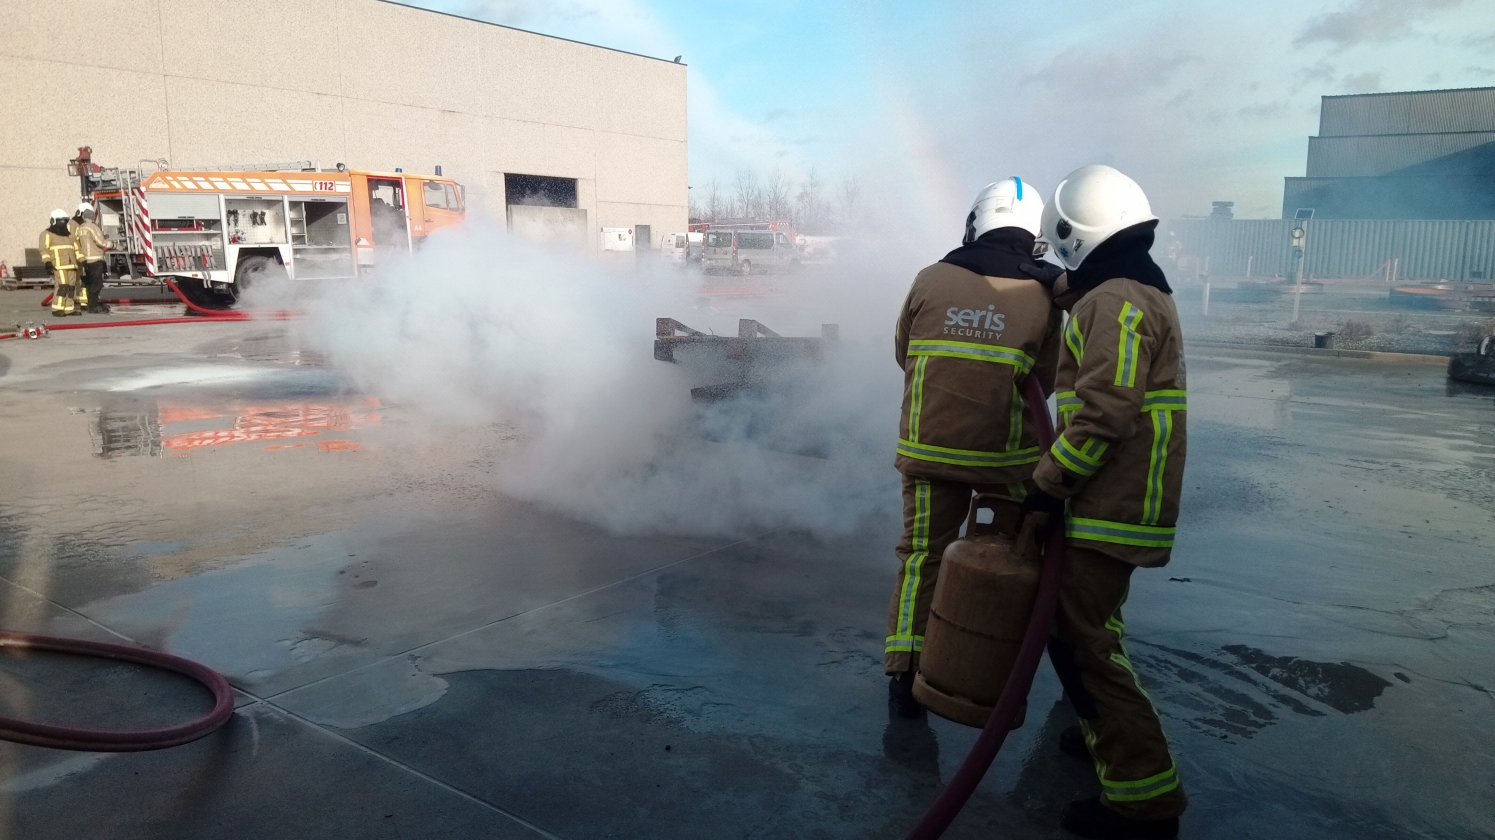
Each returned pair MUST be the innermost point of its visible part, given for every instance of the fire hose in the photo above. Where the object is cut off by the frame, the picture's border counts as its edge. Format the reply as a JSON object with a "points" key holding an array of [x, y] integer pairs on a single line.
{"points": [[109, 740], [1015, 692], [194, 308]]}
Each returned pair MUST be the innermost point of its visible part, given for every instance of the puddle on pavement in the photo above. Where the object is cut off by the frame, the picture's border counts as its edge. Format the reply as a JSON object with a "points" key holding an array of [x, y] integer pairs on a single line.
{"points": [[155, 428], [1242, 690]]}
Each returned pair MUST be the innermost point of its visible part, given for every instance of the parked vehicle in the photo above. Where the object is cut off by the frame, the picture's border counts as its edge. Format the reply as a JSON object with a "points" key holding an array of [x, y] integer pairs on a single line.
{"points": [[749, 252], [675, 248], [216, 232]]}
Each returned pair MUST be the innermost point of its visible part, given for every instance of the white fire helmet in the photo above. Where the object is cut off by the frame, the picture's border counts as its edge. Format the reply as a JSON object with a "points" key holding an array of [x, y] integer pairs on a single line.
{"points": [[57, 215], [1007, 203], [1089, 206], [83, 207]]}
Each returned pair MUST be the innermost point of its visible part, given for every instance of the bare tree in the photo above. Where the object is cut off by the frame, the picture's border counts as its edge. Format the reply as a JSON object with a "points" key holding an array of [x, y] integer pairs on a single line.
{"points": [[777, 203], [714, 202], [748, 202], [851, 190], [810, 208]]}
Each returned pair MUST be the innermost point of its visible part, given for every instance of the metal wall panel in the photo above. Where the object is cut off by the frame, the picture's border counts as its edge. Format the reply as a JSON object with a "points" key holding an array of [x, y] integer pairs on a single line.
{"points": [[1340, 248], [1412, 112], [1339, 157]]}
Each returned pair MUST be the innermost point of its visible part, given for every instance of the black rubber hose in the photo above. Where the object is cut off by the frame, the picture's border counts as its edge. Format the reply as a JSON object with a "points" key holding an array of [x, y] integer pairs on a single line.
{"points": [[90, 740], [1015, 693]]}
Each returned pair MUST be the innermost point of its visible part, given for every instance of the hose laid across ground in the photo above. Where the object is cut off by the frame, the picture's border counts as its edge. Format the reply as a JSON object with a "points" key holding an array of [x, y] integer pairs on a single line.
{"points": [[1015, 693], [198, 309], [92, 740]]}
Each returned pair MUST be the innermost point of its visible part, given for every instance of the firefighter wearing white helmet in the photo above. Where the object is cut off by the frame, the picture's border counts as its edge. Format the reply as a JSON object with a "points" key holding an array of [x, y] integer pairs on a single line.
{"points": [[973, 325], [93, 246], [1115, 474], [59, 252], [81, 300]]}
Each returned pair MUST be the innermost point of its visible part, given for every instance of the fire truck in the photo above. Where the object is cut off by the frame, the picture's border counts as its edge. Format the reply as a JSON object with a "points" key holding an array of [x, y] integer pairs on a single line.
{"points": [[214, 233]]}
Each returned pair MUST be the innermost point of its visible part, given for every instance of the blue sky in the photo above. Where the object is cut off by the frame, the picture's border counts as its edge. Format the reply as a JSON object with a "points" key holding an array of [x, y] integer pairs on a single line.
{"points": [[925, 102]]}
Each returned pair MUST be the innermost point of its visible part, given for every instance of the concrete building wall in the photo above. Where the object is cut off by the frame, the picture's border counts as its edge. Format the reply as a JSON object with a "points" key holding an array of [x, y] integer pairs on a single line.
{"points": [[368, 83]]}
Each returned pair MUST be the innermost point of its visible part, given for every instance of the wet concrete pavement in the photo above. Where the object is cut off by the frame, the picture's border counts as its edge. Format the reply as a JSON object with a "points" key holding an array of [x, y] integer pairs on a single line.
{"points": [[419, 656]]}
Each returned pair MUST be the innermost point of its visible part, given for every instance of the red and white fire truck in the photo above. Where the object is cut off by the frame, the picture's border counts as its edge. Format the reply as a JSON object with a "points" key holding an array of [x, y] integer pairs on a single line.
{"points": [[215, 232]]}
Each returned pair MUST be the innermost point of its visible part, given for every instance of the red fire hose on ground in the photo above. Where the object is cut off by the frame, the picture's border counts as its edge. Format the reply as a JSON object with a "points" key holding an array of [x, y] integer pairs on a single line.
{"points": [[1015, 693], [194, 308], [92, 740]]}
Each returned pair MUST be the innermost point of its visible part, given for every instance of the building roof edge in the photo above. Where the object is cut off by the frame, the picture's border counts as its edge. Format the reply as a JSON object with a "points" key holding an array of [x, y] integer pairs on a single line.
{"points": [[407, 5]]}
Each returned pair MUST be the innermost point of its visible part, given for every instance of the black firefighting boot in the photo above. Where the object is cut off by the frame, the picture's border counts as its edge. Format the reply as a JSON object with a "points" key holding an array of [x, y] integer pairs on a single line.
{"points": [[1089, 818], [1072, 743], [901, 695]]}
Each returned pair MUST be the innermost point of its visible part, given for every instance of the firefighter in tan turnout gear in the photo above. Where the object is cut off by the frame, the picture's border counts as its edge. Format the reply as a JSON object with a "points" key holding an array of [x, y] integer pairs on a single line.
{"points": [[92, 247], [972, 327], [1117, 467], [59, 251]]}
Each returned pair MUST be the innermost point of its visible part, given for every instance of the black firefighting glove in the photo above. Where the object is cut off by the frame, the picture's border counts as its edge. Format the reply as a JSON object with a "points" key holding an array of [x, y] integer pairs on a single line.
{"points": [[1038, 501], [1044, 272]]}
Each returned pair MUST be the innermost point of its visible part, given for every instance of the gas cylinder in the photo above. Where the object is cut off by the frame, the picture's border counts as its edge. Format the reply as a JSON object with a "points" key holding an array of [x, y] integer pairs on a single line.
{"points": [[987, 583]]}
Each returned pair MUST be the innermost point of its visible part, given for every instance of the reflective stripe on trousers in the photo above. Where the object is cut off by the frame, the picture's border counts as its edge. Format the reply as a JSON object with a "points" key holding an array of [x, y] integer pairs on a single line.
{"points": [[903, 638], [1141, 789]]}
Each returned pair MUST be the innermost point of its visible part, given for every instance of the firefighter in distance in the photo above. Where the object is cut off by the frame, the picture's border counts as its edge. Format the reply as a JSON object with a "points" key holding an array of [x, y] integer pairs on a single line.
{"points": [[59, 252], [92, 247]]}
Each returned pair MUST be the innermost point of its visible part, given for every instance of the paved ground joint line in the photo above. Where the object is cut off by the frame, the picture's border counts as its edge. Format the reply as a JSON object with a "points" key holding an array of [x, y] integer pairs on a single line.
{"points": [[258, 701], [427, 777], [65, 608], [497, 621]]}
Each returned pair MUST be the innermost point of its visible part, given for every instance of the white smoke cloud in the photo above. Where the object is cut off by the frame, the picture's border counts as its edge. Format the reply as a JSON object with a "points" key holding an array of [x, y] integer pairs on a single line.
{"points": [[482, 328]]}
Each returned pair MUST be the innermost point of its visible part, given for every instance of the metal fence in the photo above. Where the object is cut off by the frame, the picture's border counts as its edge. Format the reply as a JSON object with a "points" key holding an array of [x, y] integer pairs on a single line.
{"points": [[1338, 248]]}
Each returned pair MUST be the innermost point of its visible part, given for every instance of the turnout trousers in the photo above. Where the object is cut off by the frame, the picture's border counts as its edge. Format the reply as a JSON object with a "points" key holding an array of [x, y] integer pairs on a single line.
{"points": [[933, 512], [1122, 731], [65, 291], [93, 285]]}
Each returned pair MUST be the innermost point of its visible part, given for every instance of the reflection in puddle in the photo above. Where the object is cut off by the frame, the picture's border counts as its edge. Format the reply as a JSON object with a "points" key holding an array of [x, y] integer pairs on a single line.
{"points": [[1246, 690], [151, 429]]}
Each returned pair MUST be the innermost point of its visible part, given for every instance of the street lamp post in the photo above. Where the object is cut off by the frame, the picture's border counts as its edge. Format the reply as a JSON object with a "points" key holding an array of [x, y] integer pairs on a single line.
{"points": [[1299, 239]]}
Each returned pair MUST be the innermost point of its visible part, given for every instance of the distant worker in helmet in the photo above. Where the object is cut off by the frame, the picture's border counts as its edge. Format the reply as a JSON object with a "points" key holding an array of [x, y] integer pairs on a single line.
{"points": [[1115, 475], [92, 247], [80, 300], [973, 326], [59, 252]]}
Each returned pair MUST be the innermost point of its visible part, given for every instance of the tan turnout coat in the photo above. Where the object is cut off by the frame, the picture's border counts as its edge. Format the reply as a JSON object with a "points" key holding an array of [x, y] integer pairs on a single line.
{"points": [[1119, 458], [92, 243], [965, 341]]}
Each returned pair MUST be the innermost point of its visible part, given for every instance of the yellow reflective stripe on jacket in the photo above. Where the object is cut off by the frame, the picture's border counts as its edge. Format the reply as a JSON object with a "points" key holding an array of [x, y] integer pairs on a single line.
{"points": [[1068, 403], [1084, 460], [1157, 462], [966, 457], [1129, 345], [913, 573], [1073, 339], [1164, 401], [1121, 533], [1142, 788], [968, 350], [916, 401], [1015, 419], [60, 262]]}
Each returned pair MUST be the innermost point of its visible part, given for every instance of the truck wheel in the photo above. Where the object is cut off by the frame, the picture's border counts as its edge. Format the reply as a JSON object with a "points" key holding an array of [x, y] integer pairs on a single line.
{"points": [[253, 270], [746, 268]]}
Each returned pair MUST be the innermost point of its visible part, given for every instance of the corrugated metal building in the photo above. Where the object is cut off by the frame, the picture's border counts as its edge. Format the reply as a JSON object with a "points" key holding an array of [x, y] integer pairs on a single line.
{"points": [[1346, 248], [1411, 155]]}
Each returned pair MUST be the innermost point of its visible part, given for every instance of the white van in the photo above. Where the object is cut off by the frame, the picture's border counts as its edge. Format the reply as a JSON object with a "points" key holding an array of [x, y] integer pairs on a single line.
{"points": [[675, 248], [749, 252]]}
